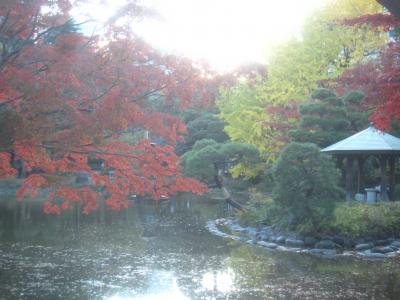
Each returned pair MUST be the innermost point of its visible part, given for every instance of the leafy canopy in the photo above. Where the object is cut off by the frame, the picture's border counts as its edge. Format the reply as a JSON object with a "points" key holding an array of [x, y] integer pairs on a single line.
{"points": [[329, 118], [70, 98], [306, 186], [325, 49], [208, 158]]}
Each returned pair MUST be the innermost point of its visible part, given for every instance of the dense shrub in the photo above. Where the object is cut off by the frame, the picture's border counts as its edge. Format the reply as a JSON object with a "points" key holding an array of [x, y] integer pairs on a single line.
{"points": [[366, 220], [306, 187], [261, 209]]}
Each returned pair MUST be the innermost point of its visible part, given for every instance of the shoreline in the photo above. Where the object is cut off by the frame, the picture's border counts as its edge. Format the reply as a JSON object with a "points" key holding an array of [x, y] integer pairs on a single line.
{"points": [[266, 237]]}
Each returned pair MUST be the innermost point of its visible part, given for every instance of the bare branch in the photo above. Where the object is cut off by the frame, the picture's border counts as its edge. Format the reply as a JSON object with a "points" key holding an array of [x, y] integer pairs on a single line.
{"points": [[144, 95]]}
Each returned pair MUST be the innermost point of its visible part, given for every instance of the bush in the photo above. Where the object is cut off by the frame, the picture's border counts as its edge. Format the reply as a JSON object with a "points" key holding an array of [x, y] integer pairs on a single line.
{"points": [[365, 220], [306, 186], [261, 209]]}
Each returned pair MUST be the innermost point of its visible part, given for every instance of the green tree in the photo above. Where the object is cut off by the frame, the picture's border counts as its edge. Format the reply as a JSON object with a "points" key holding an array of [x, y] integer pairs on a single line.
{"points": [[329, 118], [320, 55], [205, 126], [306, 187], [210, 161], [244, 115], [326, 48]]}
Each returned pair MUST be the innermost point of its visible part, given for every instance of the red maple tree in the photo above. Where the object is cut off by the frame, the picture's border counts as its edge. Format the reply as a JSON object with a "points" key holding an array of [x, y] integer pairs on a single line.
{"points": [[380, 77], [72, 96]]}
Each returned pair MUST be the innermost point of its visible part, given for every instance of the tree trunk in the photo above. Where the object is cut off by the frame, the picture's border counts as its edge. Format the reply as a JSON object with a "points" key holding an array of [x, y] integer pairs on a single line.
{"points": [[225, 192]]}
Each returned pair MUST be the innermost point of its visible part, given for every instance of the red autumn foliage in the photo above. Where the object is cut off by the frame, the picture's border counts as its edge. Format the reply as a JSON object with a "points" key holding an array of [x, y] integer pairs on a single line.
{"points": [[380, 78], [282, 119], [381, 83], [386, 21], [74, 98]]}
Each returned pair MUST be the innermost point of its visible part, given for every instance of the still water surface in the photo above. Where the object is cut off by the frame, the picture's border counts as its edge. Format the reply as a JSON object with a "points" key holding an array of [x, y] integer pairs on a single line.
{"points": [[164, 251]]}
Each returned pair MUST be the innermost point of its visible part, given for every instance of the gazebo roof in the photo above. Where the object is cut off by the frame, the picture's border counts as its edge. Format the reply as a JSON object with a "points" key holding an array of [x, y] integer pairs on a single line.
{"points": [[368, 141]]}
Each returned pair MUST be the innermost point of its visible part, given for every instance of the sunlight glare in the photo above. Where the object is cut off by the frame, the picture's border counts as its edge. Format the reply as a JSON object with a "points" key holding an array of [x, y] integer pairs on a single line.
{"points": [[222, 281], [224, 33]]}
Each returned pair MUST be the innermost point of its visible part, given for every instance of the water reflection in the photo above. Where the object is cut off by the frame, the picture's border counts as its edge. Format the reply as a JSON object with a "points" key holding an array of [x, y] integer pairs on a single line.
{"points": [[221, 281], [163, 285], [164, 251]]}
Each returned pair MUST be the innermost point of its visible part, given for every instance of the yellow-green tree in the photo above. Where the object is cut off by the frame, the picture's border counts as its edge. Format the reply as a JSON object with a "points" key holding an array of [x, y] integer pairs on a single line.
{"points": [[297, 67]]}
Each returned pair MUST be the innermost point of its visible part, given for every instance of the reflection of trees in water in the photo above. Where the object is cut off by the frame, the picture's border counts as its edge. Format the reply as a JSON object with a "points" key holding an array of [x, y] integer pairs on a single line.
{"points": [[126, 248], [25, 221], [38, 228], [392, 285], [291, 275]]}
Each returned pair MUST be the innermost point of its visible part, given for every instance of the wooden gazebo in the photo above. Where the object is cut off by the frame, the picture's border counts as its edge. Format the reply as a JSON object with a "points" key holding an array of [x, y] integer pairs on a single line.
{"points": [[360, 146]]}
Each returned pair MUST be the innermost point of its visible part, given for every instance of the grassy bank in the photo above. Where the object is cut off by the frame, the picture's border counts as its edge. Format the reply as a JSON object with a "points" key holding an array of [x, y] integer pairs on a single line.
{"points": [[351, 219]]}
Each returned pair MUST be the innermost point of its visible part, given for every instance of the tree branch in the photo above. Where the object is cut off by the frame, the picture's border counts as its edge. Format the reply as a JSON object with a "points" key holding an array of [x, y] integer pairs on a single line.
{"points": [[142, 96]]}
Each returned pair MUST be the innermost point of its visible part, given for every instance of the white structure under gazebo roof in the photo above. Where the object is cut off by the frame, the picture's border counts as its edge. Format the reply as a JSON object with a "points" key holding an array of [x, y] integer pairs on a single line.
{"points": [[359, 146]]}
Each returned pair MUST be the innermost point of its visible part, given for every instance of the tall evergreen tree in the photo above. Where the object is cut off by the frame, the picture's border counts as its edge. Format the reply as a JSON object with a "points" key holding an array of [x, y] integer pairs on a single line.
{"points": [[329, 118]]}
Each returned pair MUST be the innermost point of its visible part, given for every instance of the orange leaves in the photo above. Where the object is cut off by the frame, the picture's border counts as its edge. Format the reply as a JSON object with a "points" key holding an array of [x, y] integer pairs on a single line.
{"points": [[116, 202], [34, 157], [74, 99], [189, 185], [70, 196], [30, 186], [6, 170]]}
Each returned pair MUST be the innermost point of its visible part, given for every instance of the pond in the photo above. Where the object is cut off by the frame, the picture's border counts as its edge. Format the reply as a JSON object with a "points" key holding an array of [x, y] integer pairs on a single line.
{"points": [[164, 251]]}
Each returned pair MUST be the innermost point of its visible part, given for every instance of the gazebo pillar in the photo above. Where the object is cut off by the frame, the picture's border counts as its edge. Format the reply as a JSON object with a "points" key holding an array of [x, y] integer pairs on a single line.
{"points": [[349, 178], [360, 183], [339, 164], [392, 179], [383, 164]]}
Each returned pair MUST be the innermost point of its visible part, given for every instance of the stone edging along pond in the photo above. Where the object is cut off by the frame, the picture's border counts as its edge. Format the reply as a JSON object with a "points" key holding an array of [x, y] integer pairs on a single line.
{"points": [[266, 237]]}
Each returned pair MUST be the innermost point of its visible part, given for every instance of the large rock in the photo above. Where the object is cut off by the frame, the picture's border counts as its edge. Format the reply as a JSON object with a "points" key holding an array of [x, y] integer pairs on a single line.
{"points": [[221, 221], [344, 242], [263, 235], [382, 242], [326, 244], [392, 254], [329, 253], [370, 254], [363, 247], [237, 228], [251, 232], [310, 241], [267, 245], [396, 244], [316, 251], [294, 243], [272, 239], [383, 250], [339, 240], [280, 239]]}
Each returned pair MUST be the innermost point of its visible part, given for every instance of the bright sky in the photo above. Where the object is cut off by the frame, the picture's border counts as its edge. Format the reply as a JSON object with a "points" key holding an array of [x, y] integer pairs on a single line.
{"points": [[225, 33]]}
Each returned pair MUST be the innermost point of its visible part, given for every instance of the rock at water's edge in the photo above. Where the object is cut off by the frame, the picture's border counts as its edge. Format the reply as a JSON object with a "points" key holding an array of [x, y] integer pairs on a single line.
{"points": [[294, 243], [362, 247]]}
